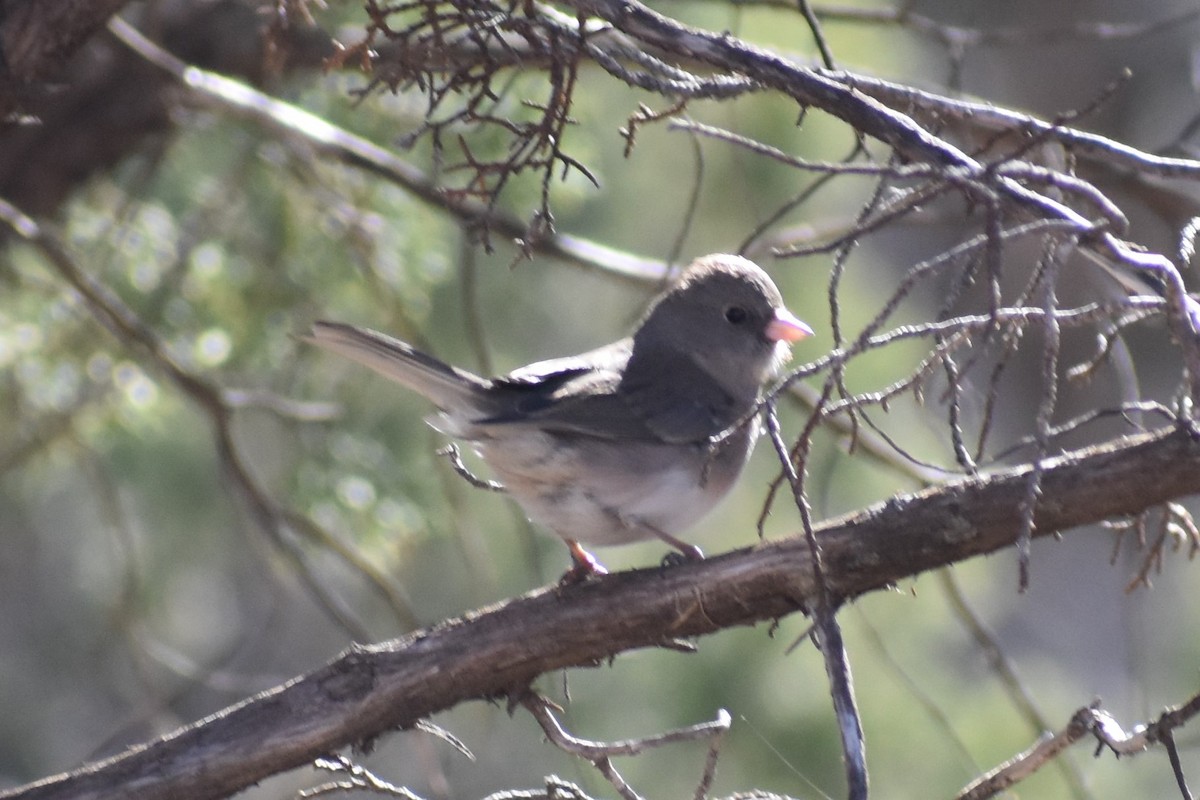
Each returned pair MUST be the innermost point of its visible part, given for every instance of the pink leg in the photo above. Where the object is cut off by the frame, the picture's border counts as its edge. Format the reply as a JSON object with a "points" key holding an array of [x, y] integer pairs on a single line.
{"points": [[689, 551], [584, 566]]}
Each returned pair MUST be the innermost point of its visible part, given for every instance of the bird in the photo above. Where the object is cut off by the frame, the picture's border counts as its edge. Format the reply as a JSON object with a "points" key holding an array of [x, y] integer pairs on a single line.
{"points": [[633, 441]]}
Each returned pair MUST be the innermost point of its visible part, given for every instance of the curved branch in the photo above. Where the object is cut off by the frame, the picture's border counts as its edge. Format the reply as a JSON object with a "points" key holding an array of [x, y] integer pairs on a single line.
{"points": [[496, 652]]}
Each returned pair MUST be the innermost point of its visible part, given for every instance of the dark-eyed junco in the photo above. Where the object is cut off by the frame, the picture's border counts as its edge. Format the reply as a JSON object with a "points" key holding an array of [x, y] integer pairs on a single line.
{"points": [[628, 442]]}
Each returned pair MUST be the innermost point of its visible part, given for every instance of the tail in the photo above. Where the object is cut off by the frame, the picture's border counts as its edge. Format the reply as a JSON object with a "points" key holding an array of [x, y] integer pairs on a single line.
{"points": [[451, 389]]}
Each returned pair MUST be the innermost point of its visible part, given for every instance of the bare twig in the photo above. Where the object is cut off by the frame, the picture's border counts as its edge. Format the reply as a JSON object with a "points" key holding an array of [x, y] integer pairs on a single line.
{"points": [[601, 753], [833, 650], [540, 708], [452, 455], [1176, 528], [1095, 721], [1055, 254], [357, 777]]}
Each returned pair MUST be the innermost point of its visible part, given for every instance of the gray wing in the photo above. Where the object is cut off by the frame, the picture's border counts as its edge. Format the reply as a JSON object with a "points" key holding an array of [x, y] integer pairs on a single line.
{"points": [[576, 394], [593, 394]]}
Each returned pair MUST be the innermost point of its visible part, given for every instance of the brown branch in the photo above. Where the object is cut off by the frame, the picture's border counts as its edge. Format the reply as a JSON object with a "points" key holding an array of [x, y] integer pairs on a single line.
{"points": [[369, 691]]}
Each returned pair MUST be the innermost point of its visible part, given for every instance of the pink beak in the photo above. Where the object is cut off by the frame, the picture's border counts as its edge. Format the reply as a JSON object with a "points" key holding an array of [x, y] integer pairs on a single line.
{"points": [[786, 328]]}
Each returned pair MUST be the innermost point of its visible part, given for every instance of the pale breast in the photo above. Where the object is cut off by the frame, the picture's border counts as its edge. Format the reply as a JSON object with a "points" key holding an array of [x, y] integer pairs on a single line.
{"points": [[607, 492]]}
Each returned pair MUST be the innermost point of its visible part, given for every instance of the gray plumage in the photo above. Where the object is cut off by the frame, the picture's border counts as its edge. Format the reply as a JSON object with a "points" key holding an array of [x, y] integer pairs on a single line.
{"points": [[615, 445]]}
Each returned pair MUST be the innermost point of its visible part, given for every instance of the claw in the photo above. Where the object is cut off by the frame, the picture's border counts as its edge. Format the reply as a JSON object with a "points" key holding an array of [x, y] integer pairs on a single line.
{"points": [[585, 565], [687, 552]]}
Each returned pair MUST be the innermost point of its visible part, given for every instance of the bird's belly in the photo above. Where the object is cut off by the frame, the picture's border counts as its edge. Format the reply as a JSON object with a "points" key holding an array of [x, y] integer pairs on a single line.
{"points": [[613, 492]]}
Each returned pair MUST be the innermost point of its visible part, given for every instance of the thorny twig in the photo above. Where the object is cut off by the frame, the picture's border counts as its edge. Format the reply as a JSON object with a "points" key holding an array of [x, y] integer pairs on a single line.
{"points": [[1176, 529], [435, 28]]}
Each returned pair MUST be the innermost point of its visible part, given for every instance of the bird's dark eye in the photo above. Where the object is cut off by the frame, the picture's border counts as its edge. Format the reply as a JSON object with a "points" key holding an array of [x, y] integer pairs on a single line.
{"points": [[736, 315]]}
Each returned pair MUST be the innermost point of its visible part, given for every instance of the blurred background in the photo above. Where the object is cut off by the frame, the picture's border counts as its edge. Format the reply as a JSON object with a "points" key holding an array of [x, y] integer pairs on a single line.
{"points": [[142, 587]]}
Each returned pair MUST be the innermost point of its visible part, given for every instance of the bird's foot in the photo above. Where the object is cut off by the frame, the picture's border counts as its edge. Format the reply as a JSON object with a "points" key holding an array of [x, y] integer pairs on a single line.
{"points": [[684, 552], [450, 451], [584, 565]]}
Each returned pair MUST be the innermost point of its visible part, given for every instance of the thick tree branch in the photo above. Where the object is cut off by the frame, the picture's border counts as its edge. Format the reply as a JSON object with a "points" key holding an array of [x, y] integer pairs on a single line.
{"points": [[492, 653]]}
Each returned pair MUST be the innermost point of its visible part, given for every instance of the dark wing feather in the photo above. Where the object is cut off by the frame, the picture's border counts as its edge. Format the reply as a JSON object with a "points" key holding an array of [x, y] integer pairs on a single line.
{"points": [[576, 394], [595, 395]]}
